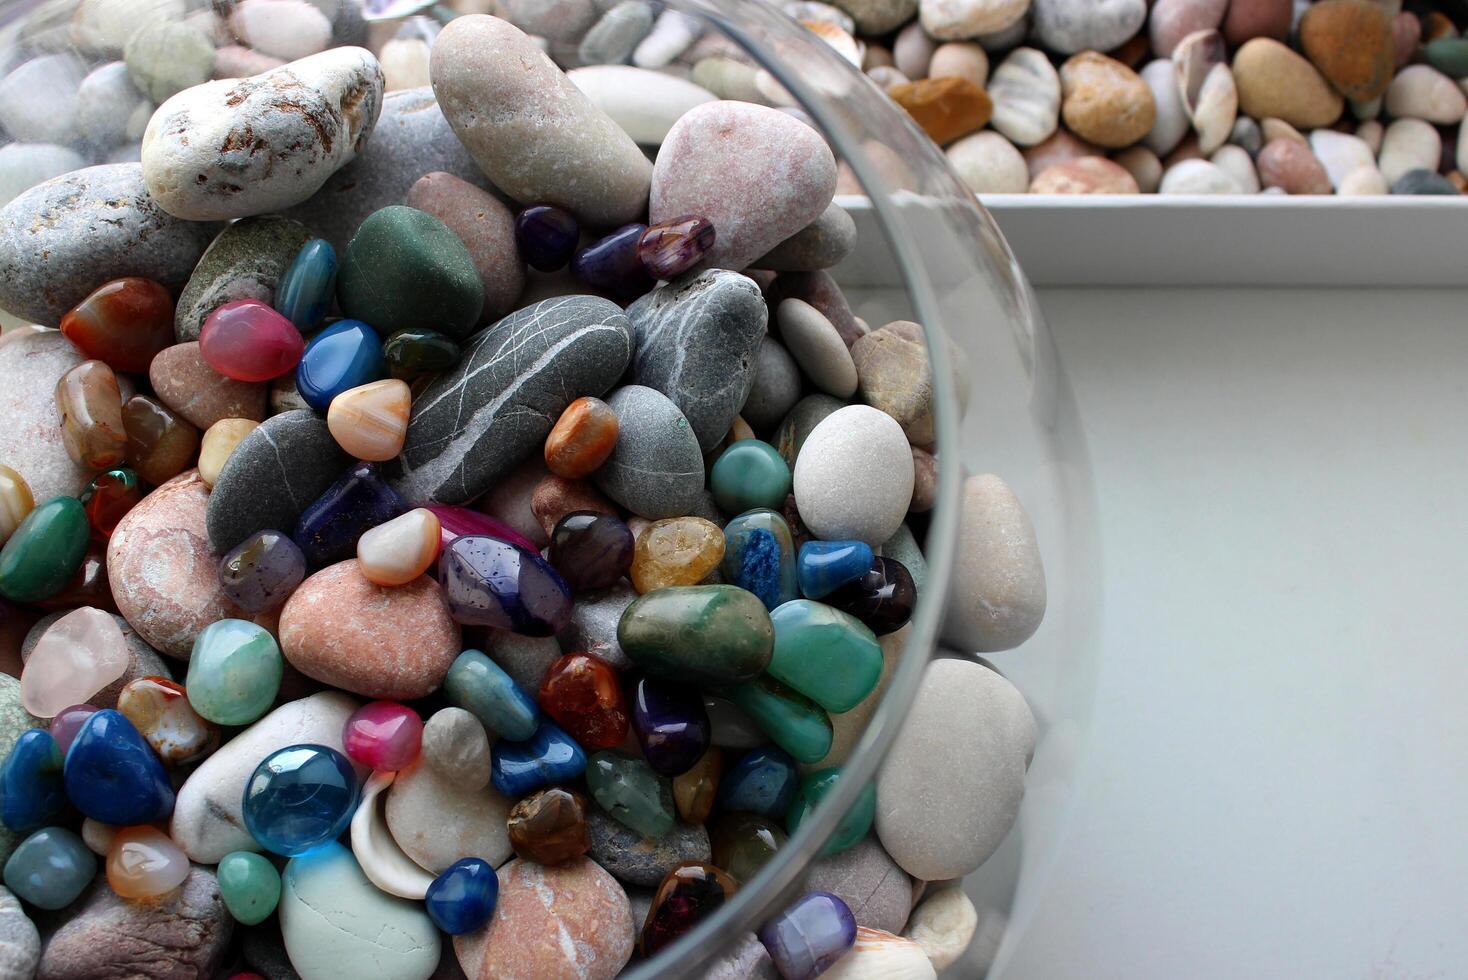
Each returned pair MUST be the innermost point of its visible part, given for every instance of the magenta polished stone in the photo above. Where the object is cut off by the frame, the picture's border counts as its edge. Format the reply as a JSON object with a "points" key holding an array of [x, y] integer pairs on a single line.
{"points": [[489, 582], [383, 735], [248, 341], [455, 522]]}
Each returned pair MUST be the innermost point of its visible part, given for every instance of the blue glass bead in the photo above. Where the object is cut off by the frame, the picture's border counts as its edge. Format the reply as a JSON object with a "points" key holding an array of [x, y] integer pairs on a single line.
{"points": [[807, 938], [759, 556], [463, 898], [613, 265], [112, 774], [50, 868], [489, 582], [345, 355], [763, 781], [825, 566], [305, 291], [480, 686], [300, 797], [547, 236], [32, 792], [328, 530], [671, 723], [749, 474], [520, 768]]}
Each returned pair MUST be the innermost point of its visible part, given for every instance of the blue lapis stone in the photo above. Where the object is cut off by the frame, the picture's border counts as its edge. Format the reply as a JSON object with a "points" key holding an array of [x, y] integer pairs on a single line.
{"points": [[345, 355], [551, 756], [825, 566], [32, 789], [671, 723], [300, 797], [112, 774], [463, 898], [764, 781], [328, 529], [305, 291], [50, 868], [480, 686], [759, 556]]}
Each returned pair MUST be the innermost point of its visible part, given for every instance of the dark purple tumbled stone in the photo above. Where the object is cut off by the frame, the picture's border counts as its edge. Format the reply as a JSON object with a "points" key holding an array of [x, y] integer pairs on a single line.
{"points": [[591, 550], [882, 598], [547, 236], [809, 936], [614, 264], [671, 248], [489, 582], [262, 571], [328, 529], [671, 723]]}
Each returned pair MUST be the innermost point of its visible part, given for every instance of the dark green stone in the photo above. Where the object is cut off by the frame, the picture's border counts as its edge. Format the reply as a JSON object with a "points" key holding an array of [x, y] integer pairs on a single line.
{"points": [[405, 269], [413, 353], [707, 635], [852, 828], [791, 720], [45, 551], [1448, 55]]}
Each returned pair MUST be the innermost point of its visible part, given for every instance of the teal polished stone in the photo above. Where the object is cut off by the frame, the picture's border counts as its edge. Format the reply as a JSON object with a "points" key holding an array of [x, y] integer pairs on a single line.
{"points": [[829, 656], [306, 290], [234, 672], [249, 885], [631, 792], [480, 686], [50, 868], [791, 720], [749, 474], [853, 826], [45, 550], [759, 556]]}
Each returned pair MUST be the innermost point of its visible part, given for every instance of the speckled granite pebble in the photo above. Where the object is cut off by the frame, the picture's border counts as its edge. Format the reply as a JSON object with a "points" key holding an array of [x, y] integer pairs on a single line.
{"points": [[246, 261]]}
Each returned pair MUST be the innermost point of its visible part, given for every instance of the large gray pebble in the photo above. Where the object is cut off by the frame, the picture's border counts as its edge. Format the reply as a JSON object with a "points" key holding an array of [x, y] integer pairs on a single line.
{"points": [[524, 658], [38, 100], [475, 423], [143, 660], [865, 877], [612, 39], [20, 943], [24, 165], [997, 597], [456, 745], [694, 340], [629, 857], [30, 438], [64, 238], [1068, 26], [110, 109], [950, 788], [856, 446], [656, 469], [246, 261], [776, 387], [593, 625], [819, 245]]}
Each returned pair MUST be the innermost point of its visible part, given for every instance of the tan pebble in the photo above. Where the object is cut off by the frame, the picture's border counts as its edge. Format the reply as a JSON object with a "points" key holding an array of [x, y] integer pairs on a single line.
{"points": [[1277, 129], [219, 441], [404, 63], [998, 595], [1104, 101], [1351, 42], [1188, 149], [960, 59], [1437, 25], [1292, 167], [1172, 20], [1274, 81], [1236, 162], [988, 163], [1406, 36], [1371, 132], [924, 480], [894, 374], [555, 496], [371, 421], [1088, 175], [876, 56], [1458, 180], [1143, 165], [1248, 19], [16, 501], [1363, 182], [185, 383], [397, 552], [912, 51], [887, 77]]}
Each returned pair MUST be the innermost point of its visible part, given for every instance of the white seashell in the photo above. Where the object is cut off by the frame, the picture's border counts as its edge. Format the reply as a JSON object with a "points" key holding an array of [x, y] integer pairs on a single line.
{"points": [[382, 860], [880, 955], [943, 926]]}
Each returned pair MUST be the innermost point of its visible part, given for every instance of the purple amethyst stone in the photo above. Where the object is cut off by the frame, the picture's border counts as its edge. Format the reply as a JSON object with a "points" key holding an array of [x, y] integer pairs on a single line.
{"points": [[614, 264], [807, 938], [591, 550], [489, 582], [671, 248], [671, 723], [547, 236], [262, 571]]}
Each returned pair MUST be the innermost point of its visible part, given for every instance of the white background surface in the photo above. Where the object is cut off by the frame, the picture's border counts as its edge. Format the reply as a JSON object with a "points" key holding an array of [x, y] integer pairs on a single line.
{"points": [[1277, 783]]}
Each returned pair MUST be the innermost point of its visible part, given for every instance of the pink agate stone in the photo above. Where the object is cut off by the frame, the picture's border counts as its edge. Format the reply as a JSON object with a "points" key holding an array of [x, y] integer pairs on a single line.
{"points": [[455, 522], [383, 735], [144, 862], [82, 653], [248, 341]]}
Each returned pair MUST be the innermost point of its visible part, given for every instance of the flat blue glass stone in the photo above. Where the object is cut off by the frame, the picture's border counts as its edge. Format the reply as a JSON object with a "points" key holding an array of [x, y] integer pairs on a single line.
{"points": [[489, 582], [50, 868], [825, 566], [480, 686], [759, 556], [463, 898], [113, 775], [305, 291], [763, 781], [328, 529], [345, 355], [519, 768], [32, 789], [300, 797], [809, 937]]}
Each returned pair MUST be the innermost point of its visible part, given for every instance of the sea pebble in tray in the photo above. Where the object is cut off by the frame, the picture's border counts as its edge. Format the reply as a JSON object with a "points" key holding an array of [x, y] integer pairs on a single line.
{"points": [[1068, 26], [1341, 154], [1198, 177], [1274, 81], [1171, 121], [1087, 175], [1352, 45], [1290, 166], [1423, 92], [287, 29], [1209, 94], [963, 19], [1172, 20], [1144, 166], [1105, 102], [1026, 93], [1408, 144], [1236, 162]]}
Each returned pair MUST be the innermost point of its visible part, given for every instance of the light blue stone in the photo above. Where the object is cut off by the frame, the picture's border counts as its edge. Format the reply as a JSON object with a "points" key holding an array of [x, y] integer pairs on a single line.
{"points": [[759, 556], [825, 566], [305, 291], [480, 686], [50, 868], [234, 672]]}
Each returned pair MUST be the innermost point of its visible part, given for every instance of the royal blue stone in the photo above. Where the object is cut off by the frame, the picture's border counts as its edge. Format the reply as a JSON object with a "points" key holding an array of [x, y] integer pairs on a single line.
{"points": [[547, 236], [463, 898], [112, 774], [32, 790], [613, 265], [759, 556], [305, 291], [480, 686], [50, 868], [764, 780], [300, 797], [328, 530], [807, 938], [825, 566], [671, 723], [345, 355], [520, 768], [489, 582]]}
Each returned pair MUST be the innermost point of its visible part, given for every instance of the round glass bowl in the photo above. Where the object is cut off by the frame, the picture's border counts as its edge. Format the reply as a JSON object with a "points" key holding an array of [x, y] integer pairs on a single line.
{"points": [[926, 252]]}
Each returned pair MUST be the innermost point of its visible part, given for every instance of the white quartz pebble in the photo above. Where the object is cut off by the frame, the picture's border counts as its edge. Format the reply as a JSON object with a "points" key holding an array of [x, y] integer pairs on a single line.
{"points": [[989, 164], [644, 103], [854, 447], [1364, 182], [288, 29], [1408, 144], [1026, 93], [1341, 154], [1423, 92], [1198, 177], [1171, 122], [1236, 162]]}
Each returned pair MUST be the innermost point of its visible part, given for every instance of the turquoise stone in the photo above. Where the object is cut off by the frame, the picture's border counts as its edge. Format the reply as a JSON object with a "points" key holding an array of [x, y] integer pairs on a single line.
{"points": [[45, 551], [346, 355], [825, 566], [852, 828], [234, 672], [750, 474], [50, 868], [791, 720], [759, 556], [828, 655], [306, 290], [113, 775], [32, 793], [480, 686], [631, 793], [249, 885]]}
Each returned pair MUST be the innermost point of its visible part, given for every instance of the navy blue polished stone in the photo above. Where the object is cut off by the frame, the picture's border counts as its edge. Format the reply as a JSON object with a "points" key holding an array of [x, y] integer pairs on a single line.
{"points": [[549, 757], [305, 291], [328, 530], [764, 780], [612, 264], [112, 774], [463, 898], [489, 582], [671, 723], [547, 236], [825, 566], [809, 937], [32, 790], [347, 354]]}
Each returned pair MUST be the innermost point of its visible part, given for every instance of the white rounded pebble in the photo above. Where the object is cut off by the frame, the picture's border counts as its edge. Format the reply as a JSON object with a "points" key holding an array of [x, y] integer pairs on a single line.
{"points": [[672, 34], [1143, 165], [943, 925], [110, 109], [887, 77], [989, 164], [1006, 40], [817, 347], [912, 51], [438, 820], [1198, 177], [644, 103], [854, 476], [1171, 123], [38, 100], [958, 20], [24, 165], [1364, 182], [288, 29], [1026, 93], [960, 59], [1069, 26], [1236, 162], [1408, 144], [1423, 92], [997, 597], [1341, 154]]}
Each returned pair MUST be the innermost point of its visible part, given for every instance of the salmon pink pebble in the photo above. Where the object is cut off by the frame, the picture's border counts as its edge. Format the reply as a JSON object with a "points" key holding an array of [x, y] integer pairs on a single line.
{"points": [[248, 341], [384, 735]]}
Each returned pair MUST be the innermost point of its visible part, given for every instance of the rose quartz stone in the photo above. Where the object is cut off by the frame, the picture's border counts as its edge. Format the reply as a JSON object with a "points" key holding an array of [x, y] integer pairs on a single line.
{"points": [[82, 652], [383, 735], [185, 382]]}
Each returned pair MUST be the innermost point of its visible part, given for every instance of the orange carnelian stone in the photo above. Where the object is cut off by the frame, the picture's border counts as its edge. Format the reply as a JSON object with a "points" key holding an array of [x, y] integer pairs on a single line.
{"points": [[582, 438], [583, 696], [123, 323]]}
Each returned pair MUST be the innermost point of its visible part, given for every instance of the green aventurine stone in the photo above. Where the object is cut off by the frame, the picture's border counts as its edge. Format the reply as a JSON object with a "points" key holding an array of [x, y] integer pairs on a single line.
{"points": [[405, 268], [793, 721], [707, 635], [631, 793], [829, 656], [249, 885], [45, 551], [852, 828], [749, 474], [234, 672]]}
